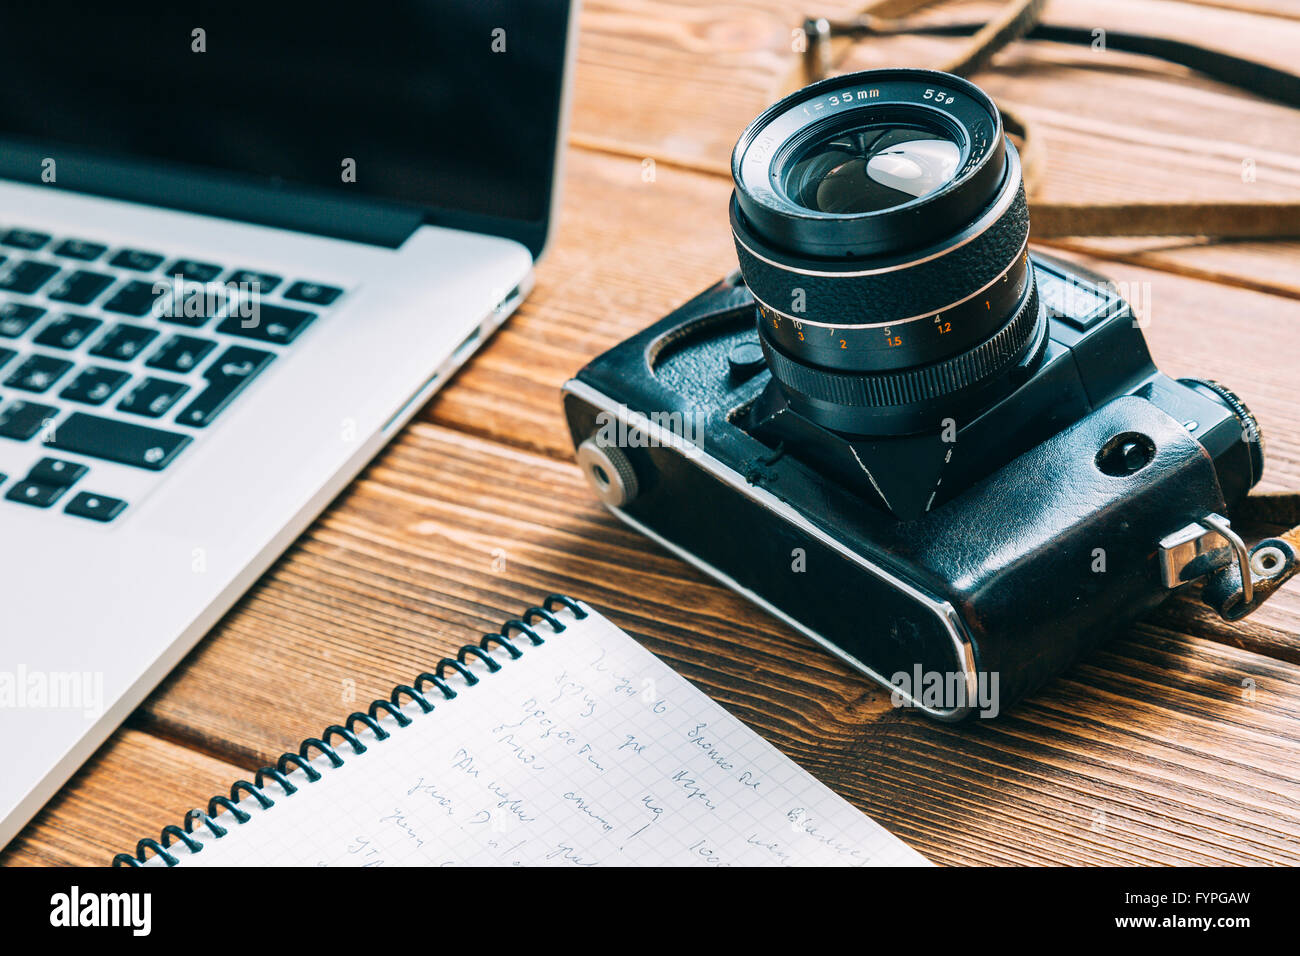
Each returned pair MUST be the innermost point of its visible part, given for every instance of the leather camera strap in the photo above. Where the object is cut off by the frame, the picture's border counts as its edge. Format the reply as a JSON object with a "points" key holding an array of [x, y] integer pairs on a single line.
{"points": [[1223, 590], [1244, 577]]}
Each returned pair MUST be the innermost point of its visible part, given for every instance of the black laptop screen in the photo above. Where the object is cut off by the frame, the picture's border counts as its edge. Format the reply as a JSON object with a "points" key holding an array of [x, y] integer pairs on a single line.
{"points": [[441, 104]]}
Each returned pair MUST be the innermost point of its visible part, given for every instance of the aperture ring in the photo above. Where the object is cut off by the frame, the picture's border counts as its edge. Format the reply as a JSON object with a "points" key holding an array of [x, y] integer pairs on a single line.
{"points": [[908, 386], [905, 342]]}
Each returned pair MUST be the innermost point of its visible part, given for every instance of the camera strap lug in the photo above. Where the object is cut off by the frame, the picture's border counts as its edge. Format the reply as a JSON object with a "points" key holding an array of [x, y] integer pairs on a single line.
{"points": [[1237, 578]]}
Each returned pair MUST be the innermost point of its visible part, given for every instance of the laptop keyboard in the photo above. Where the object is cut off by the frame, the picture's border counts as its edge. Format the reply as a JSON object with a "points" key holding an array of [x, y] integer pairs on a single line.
{"points": [[125, 356]]}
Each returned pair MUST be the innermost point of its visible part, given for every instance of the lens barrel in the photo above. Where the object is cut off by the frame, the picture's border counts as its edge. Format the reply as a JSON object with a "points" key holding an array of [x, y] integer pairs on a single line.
{"points": [[883, 321]]}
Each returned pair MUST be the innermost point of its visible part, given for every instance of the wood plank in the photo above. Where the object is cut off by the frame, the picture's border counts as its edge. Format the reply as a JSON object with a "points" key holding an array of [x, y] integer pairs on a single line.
{"points": [[664, 81], [1273, 8], [672, 78], [1130, 758], [1264, 266], [130, 789], [628, 251], [446, 534], [1273, 630]]}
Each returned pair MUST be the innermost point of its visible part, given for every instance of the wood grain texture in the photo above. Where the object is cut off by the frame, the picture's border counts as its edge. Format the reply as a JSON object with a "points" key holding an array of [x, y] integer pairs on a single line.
{"points": [[1115, 125], [1273, 8], [1147, 753], [1175, 744], [131, 788]]}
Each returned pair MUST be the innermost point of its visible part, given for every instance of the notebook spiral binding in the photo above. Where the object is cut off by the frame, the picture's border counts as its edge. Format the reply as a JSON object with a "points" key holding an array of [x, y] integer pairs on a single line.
{"points": [[391, 706]]}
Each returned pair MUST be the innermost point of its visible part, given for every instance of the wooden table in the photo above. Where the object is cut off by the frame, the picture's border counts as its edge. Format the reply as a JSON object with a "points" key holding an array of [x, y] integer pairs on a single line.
{"points": [[1176, 744]]}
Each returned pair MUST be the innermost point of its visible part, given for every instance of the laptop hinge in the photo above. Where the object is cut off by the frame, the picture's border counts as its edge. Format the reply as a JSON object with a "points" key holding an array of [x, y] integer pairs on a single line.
{"points": [[321, 212]]}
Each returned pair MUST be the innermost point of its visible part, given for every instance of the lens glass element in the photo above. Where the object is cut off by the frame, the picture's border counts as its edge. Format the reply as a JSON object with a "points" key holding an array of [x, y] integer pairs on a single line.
{"points": [[870, 168]]}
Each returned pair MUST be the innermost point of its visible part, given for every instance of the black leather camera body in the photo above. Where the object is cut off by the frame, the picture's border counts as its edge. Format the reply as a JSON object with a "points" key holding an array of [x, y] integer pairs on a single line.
{"points": [[947, 461]]}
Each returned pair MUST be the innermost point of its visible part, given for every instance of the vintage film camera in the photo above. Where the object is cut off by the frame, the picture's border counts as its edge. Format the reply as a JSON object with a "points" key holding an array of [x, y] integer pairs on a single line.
{"points": [[894, 428]]}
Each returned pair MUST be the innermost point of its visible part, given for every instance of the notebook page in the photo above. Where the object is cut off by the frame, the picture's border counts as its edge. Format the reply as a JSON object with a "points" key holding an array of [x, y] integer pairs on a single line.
{"points": [[588, 750]]}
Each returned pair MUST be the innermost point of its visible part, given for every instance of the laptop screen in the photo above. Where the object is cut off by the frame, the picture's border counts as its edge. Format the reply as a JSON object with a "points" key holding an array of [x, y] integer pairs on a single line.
{"points": [[451, 106]]}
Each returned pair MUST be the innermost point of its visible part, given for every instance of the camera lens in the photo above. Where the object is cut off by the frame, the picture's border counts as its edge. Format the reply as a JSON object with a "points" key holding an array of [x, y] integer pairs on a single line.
{"points": [[880, 222], [871, 168]]}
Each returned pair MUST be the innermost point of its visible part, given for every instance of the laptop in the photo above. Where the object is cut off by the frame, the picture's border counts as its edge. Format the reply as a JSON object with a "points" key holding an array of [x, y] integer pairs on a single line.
{"points": [[240, 245]]}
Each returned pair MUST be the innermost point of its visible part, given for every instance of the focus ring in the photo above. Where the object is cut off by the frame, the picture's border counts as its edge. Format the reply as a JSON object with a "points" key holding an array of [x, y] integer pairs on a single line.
{"points": [[852, 298], [885, 389]]}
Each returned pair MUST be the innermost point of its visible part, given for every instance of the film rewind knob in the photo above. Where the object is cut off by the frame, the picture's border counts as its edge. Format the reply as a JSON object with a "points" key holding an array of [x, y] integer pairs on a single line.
{"points": [[610, 473]]}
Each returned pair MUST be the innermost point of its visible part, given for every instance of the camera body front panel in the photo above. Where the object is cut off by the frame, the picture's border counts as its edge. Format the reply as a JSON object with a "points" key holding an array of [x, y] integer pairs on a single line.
{"points": [[1047, 545]]}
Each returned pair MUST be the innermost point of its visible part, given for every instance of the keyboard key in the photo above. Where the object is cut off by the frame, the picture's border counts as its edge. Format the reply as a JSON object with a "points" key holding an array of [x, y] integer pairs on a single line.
{"points": [[37, 373], [16, 318], [268, 323], [80, 249], [21, 420], [136, 260], [181, 354], [55, 471], [6, 355], [194, 271], [79, 288], [257, 283], [227, 376], [152, 397], [313, 293], [94, 385], [196, 304], [136, 298], [123, 342], [24, 239], [123, 442], [27, 276], [67, 331], [39, 496], [95, 507]]}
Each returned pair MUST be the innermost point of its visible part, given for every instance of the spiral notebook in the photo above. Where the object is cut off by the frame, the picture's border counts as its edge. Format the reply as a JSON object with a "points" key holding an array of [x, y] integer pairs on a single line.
{"points": [[557, 741]]}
